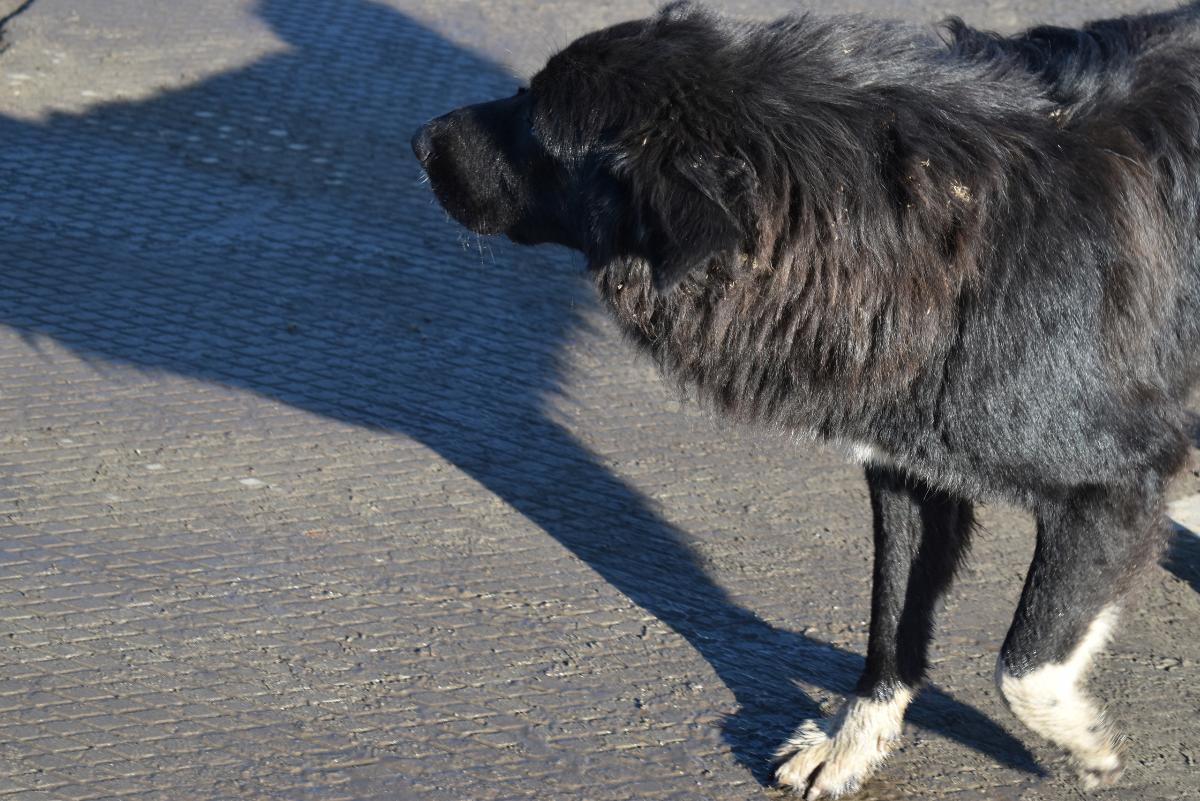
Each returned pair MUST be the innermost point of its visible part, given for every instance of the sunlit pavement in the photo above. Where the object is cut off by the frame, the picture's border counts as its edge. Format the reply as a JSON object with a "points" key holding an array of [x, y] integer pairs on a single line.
{"points": [[308, 495]]}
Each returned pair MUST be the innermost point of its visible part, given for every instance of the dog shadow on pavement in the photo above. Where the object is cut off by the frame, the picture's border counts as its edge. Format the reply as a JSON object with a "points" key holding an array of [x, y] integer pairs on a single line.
{"points": [[1183, 552], [1183, 556], [266, 229]]}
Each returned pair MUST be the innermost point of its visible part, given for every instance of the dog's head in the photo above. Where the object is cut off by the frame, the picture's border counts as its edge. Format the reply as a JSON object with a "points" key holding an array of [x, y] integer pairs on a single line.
{"points": [[626, 145]]}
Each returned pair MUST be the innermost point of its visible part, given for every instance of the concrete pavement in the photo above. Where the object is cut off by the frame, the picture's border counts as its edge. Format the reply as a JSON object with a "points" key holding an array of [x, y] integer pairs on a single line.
{"points": [[306, 494]]}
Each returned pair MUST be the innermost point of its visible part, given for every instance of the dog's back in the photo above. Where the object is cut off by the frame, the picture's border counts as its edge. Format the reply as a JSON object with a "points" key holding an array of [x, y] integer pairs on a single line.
{"points": [[1077, 63], [1138, 76]]}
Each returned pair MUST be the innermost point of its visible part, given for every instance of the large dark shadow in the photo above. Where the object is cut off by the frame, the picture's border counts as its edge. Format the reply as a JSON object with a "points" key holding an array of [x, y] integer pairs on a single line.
{"points": [[1183, 556], [1183, 552], [266, 229]]}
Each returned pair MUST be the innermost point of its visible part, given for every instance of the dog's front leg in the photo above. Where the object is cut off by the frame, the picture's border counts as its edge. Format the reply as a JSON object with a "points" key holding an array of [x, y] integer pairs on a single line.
{"points": [[1092, 548], [921, 535]]}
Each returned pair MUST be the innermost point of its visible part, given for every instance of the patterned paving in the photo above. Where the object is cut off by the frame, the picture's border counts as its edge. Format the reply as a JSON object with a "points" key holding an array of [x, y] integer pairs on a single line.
{"points": [[305, 494]]}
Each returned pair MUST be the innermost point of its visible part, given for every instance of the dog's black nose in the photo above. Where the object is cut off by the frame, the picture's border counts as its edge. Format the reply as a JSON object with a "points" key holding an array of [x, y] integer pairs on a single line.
{"points": [[422, 144]]}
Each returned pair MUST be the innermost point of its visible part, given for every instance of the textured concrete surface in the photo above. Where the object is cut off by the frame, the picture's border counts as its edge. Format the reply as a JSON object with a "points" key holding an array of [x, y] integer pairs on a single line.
{"points": [[307, 495]]}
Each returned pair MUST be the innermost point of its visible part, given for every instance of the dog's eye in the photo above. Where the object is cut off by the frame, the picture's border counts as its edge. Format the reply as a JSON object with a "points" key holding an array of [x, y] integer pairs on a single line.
{"points": [[522, 90]]}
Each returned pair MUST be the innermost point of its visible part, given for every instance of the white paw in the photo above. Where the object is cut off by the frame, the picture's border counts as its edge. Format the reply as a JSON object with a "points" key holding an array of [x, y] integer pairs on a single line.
{"points": [[1101, 768], [830, 758]]}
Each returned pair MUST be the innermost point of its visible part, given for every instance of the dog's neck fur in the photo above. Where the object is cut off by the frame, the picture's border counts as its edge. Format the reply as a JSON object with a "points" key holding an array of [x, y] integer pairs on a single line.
{"points": [[741, 341], [848, 298]]}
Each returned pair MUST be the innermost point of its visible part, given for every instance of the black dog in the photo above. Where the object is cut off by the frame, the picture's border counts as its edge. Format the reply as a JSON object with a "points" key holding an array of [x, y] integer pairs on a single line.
{"points": [[971, 259]]}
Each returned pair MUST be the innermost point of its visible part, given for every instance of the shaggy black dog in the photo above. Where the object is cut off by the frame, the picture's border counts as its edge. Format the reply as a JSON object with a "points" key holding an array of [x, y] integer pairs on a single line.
{"points": [[971, 259]]}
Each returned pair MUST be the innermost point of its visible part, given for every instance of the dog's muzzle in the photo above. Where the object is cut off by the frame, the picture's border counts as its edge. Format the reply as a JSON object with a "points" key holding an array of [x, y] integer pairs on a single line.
{"points": [[422, 145]]}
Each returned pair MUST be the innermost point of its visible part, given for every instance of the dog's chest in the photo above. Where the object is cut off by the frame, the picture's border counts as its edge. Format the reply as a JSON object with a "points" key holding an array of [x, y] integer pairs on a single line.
{"points": [[866, 454]]}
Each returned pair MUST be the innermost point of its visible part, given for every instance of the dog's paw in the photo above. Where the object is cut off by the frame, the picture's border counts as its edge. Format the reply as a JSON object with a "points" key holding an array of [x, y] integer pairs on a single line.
{"points": [[818, 765], [1095, 777], [831, 758], [1101, 768]]}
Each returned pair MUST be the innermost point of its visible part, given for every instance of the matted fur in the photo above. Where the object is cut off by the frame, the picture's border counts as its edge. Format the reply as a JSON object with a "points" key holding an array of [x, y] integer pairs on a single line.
{"points": [[974, 258]]}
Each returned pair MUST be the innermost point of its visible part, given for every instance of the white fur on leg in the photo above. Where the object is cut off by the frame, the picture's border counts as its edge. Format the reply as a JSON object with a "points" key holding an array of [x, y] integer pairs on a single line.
{"points": [[828, 758], [1051, 701]]}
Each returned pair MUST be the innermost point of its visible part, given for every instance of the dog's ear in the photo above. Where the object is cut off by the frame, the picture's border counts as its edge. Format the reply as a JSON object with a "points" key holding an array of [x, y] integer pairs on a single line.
{"points": [[687, 219]]}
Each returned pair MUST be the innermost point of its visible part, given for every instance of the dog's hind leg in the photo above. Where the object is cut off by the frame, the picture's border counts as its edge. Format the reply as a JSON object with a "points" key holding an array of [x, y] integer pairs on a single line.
{"points": [[1090, 548], [921, 535]]}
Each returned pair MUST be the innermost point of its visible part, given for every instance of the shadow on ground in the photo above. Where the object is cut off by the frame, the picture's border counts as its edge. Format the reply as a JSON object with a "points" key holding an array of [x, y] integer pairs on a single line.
{"points": [[1183, 556], [266, 229], [1183, 551]]}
